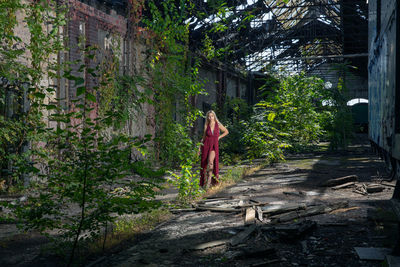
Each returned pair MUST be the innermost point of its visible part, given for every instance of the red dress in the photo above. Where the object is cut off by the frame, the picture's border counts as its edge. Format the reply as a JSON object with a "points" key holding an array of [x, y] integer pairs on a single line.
{"points": [[210, 143]]}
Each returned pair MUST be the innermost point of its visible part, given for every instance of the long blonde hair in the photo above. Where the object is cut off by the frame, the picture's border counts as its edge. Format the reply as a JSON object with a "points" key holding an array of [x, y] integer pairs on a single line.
{"points": [[208, 122]]}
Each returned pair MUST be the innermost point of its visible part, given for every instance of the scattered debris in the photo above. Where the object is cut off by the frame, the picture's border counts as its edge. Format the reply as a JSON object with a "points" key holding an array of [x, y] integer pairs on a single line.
{"points": [[297, 194], [340, 180], [365, 189], [361, 189], [372, 253], [392, 261], [256, 253]]}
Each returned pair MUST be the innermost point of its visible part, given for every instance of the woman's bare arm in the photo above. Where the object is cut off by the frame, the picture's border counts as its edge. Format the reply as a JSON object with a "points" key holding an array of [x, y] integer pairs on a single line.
{"points": [[224, 131]]}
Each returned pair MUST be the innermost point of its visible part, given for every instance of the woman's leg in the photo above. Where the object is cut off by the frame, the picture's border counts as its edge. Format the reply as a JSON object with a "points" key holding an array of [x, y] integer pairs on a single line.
{"points": [[211, 158]]}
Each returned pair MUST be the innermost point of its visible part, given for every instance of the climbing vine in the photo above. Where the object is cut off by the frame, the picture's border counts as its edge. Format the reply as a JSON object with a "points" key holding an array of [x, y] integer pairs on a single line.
{"points": [[24, 66]]}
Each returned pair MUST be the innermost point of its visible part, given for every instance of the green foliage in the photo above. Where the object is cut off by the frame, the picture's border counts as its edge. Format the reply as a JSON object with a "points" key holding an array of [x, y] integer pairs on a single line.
{"points": [[296, 109], [22, 68], [233, 175], [338, 121], [144, 169], [235, 112], [87, 172], [262, 137], [174, 81], [187, 181], [288, 117], [185, 150]]}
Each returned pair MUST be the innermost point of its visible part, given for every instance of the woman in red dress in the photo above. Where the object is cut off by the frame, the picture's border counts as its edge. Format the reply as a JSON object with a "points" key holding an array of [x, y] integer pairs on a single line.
{"points": [[209, 149]]}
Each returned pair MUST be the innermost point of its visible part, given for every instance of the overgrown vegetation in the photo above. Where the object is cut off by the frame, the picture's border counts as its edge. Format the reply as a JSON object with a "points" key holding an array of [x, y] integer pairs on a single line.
{"points": [[290, 116], [75, 161]]}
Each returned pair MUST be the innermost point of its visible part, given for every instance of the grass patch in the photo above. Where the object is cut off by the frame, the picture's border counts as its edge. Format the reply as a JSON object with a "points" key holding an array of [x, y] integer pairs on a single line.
{"points": [[232, 176], [126, 228]]}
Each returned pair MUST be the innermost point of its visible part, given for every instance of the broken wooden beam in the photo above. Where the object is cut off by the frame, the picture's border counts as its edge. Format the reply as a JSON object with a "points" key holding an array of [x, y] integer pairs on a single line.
{"points": [[282, 208], [297, 194], [211, 244], [340, 180], [250, 216], [308, 211], [212, 200], [217, 209], [259, 213], [388, 184], [182, 210], [374, 188], [254, 204], [240, 237], [349, 184]]}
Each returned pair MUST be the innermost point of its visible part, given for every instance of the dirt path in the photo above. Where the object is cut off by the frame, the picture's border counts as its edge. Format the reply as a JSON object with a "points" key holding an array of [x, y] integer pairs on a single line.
{"points": [[328, 239]]}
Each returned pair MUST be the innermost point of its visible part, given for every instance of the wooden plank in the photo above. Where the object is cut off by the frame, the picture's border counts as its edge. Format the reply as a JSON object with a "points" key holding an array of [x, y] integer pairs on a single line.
{"points": [[277, 209], [182, 210], [259, 213], [344, 210], [360, 192], [209, 200], [374, 188], [371, 253], [218, 209], [308, 211], [297, 194], [254, 204], [343, 185], [211, 244], [250, 216], [240, 237], [340, 180], [387, 184]]}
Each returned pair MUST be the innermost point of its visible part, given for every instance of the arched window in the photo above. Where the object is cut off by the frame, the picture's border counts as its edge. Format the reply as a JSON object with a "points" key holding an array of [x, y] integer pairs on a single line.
{"points": [[357, 101]]}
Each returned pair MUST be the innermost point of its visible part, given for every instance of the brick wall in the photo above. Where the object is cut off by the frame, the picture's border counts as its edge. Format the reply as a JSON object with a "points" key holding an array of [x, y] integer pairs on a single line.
{"points": [[88, 26]]}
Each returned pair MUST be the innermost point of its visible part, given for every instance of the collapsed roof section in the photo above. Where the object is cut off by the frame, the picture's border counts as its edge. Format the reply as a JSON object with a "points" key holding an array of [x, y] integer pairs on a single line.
{"points": [[300, 34]]}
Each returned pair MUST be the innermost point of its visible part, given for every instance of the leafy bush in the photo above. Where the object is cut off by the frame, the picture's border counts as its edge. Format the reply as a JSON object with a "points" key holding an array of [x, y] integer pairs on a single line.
{"points": [[234, 113], [288, 117], [143, 168], [338, 120]]}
